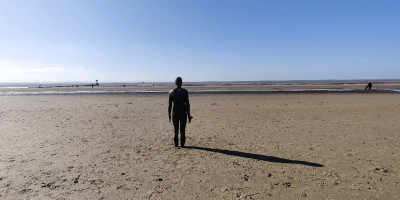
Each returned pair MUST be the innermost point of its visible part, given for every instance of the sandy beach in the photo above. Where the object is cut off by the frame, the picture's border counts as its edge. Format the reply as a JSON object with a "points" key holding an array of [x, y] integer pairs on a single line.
{"points": [[240, 146]]}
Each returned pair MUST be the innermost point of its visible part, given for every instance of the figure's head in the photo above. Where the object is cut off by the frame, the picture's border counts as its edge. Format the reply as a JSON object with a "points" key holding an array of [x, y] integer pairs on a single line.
{"points": [[178, 81]]}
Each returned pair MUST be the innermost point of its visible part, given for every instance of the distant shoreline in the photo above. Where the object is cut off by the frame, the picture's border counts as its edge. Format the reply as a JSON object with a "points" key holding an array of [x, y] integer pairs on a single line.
{"points": [[209, 88], [202, 83], [211, 92]]}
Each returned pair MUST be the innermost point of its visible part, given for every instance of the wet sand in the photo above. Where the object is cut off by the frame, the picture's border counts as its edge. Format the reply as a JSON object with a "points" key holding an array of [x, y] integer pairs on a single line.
{"points": [[166, 87], [240, 146]]}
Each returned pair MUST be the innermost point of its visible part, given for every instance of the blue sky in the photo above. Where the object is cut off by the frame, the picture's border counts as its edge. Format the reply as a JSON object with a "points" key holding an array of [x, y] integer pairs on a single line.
{"points": [[200, 40]]}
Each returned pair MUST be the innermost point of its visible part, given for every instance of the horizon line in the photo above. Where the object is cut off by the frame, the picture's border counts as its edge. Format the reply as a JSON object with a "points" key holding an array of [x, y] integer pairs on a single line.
{"points": [[233, 81]]}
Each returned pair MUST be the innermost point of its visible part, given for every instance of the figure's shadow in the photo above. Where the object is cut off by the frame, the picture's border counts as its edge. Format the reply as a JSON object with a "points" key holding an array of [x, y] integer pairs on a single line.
{"points": [[256, 156]]}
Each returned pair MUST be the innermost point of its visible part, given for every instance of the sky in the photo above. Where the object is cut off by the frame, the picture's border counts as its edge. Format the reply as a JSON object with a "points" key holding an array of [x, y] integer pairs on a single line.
{"points": [[199, 40]]}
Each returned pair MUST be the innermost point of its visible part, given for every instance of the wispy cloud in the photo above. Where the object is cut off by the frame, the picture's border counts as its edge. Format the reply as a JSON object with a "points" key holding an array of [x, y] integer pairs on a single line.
{"points": [[46, 69], [3, 62], [11, 71]]}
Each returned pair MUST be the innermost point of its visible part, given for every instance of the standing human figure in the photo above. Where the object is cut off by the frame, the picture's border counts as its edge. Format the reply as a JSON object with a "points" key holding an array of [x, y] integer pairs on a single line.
{"points": [[369, 86], [180, 111]]}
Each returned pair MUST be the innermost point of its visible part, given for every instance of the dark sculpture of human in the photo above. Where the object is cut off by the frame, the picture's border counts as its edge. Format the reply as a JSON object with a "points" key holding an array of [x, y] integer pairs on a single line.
{"points": [[179, 97]]}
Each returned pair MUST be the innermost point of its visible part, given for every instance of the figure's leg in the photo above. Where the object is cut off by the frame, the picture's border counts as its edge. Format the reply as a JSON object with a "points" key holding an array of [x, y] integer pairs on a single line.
{"points": [[183, 130], [175, 120]]}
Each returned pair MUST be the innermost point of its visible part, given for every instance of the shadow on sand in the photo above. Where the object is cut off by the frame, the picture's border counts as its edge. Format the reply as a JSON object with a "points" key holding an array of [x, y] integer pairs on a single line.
{"points": [[256, 156]]}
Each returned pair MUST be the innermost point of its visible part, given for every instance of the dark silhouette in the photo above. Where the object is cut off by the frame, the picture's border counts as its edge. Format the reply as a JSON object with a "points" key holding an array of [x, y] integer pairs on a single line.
{"points": [[180, 111], [369, 86], [257, 156]]}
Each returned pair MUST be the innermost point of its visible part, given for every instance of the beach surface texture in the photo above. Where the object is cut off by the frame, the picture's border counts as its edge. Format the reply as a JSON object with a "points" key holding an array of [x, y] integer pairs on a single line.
{"points": [[239, 146]]}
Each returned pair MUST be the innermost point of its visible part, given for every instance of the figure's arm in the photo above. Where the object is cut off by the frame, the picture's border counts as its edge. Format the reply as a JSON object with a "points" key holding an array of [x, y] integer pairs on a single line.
{"points": [[169, 107], [187, 104]]}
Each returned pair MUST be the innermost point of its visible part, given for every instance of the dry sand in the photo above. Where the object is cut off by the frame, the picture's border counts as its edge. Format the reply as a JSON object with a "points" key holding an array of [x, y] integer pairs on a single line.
{"points": [[252, 146]]}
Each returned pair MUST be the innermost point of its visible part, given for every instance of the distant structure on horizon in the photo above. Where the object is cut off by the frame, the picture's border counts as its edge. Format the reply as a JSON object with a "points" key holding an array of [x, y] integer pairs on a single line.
{"points": [[97, 82]]}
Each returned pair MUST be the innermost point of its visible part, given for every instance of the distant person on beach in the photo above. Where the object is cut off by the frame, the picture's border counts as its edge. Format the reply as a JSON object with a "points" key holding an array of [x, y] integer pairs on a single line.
{"points": [[180, 111], [369, 86]]}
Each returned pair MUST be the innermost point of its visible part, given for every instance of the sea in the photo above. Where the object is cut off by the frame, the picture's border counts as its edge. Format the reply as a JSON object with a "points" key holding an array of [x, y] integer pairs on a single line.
{"points": [[23, 89]]}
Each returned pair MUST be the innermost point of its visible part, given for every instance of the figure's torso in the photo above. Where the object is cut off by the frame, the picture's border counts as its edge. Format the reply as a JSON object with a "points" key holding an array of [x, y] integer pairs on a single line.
{"points": [[179, 98]]}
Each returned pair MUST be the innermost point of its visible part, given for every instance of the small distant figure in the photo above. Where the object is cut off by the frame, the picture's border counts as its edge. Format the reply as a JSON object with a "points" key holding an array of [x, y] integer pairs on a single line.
{"points": [[179, 97], [366, 87], [369, 86], [92, 85]]}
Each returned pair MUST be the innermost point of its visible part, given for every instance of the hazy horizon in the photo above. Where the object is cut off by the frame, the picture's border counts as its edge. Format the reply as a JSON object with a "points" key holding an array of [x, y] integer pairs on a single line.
{"points": [[272, 82]]}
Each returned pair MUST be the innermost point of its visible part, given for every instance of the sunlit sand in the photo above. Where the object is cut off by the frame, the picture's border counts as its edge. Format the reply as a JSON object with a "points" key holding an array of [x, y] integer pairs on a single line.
{"points": [[240, 146]]}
